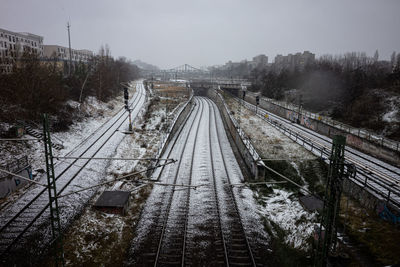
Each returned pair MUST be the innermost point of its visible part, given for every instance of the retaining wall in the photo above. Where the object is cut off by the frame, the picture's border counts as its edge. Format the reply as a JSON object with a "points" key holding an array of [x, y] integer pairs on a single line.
{"points": [[9, 183], [246, 150], [176, 124]]}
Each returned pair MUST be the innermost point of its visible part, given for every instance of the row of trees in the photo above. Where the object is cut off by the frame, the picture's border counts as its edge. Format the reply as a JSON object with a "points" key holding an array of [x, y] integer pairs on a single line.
{"points": [[34, 86]]}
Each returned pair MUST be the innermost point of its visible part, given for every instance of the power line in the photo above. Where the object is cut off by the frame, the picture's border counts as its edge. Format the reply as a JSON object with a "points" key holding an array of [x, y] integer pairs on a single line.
{"points": [[21, 177], [70, 51], [116, 179]]}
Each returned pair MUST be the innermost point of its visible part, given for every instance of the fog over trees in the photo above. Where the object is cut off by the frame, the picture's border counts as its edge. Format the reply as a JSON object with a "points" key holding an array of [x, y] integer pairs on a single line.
{"points": [[350, 87]]}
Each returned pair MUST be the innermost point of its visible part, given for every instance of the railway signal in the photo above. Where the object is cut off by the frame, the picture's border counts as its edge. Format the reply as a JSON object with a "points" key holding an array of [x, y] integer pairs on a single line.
{"points": [[126, 98], [257, 102]]}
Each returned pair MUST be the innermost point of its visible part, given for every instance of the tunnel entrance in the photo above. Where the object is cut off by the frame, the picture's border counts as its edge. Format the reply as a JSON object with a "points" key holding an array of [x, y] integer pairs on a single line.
{"points": [[200, 91], [200, 88]]}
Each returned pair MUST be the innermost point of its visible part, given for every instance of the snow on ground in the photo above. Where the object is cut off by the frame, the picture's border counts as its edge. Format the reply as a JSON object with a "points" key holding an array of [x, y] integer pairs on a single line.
{"points": [[94, 114], [393, 114], [96, 235], [282, 207], [97, 113], [269, 141], [200, 136]]}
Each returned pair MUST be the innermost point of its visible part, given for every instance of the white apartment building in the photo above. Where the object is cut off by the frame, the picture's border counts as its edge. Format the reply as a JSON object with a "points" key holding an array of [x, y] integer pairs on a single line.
{"points": [[13, 44], [62, 53]]}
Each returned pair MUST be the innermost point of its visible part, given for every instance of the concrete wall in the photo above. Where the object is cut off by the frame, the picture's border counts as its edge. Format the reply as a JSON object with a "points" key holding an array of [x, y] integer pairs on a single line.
{"points": [[181, 119], [354, 141], [365, 197], [175, 126], [256, 169], [9, 183]]}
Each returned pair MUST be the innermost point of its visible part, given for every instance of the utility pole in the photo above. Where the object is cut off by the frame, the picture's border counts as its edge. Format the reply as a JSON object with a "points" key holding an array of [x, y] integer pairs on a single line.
{"points": [[56, 242], [328, 228], [70, 51]]}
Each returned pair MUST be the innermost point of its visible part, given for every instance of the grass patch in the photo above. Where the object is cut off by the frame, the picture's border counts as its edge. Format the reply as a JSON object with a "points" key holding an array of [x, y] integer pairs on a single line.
{"points": [[284, 254], [100, 239], [376, 237], [314, 172], [285, 168]]}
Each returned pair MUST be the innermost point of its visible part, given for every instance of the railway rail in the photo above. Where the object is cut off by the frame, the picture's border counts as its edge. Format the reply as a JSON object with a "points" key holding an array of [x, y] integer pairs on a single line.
{"points": [[30, 210], [380, 178], [174, 220]]}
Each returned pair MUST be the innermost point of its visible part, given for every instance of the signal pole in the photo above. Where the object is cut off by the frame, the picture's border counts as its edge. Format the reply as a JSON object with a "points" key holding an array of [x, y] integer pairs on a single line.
{"points": [[57, 240], [70, 52], [126, 98], [257, 102], [241, 103], [327, 235]]}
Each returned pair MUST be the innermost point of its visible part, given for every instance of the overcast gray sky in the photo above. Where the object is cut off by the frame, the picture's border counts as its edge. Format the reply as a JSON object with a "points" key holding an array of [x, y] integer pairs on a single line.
{"points": [[169, 33]]}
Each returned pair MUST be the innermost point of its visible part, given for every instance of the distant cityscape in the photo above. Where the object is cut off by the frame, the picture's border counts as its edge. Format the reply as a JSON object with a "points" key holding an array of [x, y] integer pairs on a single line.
{"points": [[14, 44], [290, 62]]}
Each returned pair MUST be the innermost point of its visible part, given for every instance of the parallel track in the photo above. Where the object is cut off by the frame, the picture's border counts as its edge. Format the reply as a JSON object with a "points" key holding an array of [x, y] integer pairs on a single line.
{"points": [[173, 255], [151, 253], [12, 229], [381, 178], [239, 252], [169, 241]]}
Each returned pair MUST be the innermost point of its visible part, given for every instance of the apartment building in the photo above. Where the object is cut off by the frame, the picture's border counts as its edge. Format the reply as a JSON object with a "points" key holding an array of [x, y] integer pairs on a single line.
{"points": [[292, 61], [14, 44], [57, 52], [260, 60]]}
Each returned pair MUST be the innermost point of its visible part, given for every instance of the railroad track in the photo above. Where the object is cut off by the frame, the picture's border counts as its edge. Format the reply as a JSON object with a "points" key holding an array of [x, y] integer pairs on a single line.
{"points": [[238, 251], [381, 178], [175, 219], [157, 216], [31, 208]]}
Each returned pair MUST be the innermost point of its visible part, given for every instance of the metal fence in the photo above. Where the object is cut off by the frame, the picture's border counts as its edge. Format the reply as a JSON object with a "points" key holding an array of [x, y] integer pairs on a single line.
{"points": [[363, 178], [245, 138], [391, 144]]}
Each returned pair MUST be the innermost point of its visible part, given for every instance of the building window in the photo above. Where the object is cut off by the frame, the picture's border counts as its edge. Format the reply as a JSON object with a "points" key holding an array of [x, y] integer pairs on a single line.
{"points": [[9, 38], [13, 39]]}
